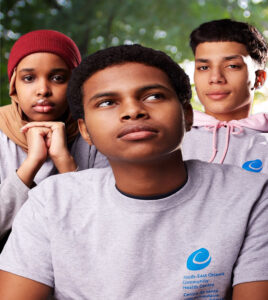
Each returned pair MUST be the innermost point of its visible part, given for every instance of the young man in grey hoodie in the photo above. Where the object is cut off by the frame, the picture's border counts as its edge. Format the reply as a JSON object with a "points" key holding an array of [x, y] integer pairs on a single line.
{"points": [[230, 59]]}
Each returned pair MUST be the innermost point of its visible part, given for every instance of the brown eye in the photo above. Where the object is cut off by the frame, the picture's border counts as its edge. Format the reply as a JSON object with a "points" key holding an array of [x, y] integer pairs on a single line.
{"points": [[155, 96], [28, 78], [105, 103], [234, 66], [58, 78], [202, 68]]}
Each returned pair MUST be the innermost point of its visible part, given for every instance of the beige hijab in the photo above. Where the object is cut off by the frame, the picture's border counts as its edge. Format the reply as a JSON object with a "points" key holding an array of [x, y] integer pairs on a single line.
{"points": [[12, 119]]}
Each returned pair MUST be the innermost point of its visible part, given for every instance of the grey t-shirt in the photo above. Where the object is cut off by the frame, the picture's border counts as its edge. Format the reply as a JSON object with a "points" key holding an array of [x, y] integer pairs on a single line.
{"points": [[13, 192], [78, 234]]}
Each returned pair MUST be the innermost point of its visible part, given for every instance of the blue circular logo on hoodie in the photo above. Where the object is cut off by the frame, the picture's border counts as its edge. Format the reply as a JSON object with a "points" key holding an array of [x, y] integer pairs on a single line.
{"points": [[198, 260], [253, 165]]}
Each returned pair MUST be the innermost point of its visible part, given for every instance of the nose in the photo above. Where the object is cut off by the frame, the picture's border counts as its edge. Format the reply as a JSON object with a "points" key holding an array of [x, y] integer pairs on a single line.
{"points": [[216, 76], [43, 88], [133, 110]]}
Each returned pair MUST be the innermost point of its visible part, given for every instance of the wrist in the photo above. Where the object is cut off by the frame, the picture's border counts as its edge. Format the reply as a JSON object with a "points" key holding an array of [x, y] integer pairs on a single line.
{"points": [[65, 163], [28, 170]]}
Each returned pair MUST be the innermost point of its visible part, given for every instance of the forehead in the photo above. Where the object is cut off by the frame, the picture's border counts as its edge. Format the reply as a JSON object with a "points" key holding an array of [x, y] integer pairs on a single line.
{"points": [[42, 60], [125, 77], [217, 50]]}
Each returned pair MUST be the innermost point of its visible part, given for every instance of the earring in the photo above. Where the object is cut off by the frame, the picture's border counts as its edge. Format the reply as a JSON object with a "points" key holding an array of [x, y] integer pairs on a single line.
{"points": [[257, 85]]}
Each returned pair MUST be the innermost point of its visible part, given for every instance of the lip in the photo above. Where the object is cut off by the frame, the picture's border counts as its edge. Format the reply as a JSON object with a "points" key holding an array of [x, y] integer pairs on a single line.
{"points": [[137, 132], [43, 106], [218, 95]]}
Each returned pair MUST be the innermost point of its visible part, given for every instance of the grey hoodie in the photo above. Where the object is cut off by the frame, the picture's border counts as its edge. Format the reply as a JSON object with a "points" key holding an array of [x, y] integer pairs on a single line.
{"points": [[242, 143]]}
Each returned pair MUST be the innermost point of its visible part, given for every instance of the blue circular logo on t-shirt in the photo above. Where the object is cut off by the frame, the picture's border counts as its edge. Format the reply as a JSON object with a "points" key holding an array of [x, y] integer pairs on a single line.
{"points": [[253, 165], [198, 260]]}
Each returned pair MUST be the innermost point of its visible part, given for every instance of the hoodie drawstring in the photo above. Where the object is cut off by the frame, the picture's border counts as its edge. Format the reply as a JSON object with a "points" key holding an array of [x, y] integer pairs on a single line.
{"points": [[231, 129]]}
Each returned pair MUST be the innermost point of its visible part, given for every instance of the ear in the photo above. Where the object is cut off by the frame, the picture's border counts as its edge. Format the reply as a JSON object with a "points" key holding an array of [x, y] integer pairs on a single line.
{"points": [[12, 84], [260, 79], [83, 131], [188, 116]]}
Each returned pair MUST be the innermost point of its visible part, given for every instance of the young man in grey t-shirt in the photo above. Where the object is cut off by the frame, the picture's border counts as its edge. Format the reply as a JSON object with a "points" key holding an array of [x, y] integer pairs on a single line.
{"points": [[152, 226]]}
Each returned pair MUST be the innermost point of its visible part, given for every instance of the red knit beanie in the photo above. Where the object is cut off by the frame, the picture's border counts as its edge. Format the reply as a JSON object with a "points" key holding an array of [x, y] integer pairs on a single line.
{"points": [[44, 41]]}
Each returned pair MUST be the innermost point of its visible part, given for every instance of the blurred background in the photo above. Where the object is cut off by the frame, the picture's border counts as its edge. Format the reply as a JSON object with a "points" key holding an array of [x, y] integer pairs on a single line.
{"points": [[96, 24]]}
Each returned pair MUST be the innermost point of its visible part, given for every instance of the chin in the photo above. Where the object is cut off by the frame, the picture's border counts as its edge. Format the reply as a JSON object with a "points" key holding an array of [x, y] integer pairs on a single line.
{"points": [[44, 118]]}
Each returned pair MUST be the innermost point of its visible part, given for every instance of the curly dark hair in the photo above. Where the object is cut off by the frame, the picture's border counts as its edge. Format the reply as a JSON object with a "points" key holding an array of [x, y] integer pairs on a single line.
{"points": [[227, 30], [120, 55]]}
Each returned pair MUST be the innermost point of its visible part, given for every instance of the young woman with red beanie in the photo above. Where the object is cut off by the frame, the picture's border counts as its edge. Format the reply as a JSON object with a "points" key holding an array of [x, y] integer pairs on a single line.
{"points": [[38, 136]]}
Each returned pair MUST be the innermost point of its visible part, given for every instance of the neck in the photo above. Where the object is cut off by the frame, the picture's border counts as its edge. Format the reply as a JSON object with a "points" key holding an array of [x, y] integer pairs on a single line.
{"points": [[150, 178], [234, 115]]}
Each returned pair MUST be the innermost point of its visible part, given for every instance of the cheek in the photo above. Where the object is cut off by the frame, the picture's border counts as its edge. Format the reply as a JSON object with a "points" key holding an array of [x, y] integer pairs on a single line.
{"points": [[175, 134], [244, 87], [199, 88], [242, 80], [176, 120], [61, 93], [21, 91], [199, 80], [201, 94], [96, 128], [24, 98]]}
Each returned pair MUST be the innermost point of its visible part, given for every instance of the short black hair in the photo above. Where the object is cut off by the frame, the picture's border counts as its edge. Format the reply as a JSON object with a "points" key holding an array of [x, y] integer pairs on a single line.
{"points": [[227, 30], [120, 55]]}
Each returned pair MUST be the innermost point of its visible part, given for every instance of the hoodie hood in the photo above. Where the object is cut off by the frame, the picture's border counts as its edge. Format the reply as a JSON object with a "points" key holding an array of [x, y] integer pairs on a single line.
{"points": [[257, 122]]}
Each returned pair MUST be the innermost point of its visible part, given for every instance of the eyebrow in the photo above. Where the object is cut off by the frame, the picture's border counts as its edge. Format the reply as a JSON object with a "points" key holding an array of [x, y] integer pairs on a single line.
{"points": [[26, 70], [52, 71], [59, 70], [226, 58], [101, 95], [153, 86], [140, 90], [233, 57]]}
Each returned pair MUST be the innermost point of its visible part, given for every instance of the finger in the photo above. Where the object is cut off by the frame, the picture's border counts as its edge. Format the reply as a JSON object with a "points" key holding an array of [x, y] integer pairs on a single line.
{"points": [[51, 125], [37, 131], [48, 138]]}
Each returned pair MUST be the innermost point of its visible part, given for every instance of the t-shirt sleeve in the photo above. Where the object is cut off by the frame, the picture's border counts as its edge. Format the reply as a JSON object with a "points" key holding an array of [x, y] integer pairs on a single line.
{"points": [[13, 193], [27, 251], [252, 262]]}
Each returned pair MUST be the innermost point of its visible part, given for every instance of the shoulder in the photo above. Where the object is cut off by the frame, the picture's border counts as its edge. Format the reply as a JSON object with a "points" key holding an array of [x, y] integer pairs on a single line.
{"points": [[65, 196], [3, 137], [9, 149], [214, 168], [226, 189], [82, 177], [5, 140], [72, 183], [225, 176]]}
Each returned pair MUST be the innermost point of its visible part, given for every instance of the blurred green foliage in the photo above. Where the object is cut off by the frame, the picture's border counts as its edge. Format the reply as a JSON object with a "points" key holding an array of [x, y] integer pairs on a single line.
{"points": [[96, 24]]}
